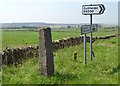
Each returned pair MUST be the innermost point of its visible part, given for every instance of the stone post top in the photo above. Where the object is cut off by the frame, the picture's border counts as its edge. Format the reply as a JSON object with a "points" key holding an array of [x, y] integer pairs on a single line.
{"points": [[44, 28]]}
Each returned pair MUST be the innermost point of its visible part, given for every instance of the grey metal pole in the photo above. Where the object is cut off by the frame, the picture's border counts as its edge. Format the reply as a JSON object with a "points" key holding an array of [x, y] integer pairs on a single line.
{"points": [[85, 48], [91, 37]]}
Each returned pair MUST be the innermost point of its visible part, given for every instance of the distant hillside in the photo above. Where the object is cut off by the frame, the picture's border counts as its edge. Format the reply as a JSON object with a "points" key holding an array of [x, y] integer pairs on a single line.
{"points": [[40, 24], [35, 24]]}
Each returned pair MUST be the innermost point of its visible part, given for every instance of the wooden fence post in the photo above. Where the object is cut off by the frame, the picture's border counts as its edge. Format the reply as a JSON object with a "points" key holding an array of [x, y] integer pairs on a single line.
{"points": [[46, 60]]}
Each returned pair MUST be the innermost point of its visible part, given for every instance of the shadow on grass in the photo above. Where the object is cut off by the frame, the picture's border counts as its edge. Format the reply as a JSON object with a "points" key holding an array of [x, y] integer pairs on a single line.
{"points": [[115, 70], [65, 77]]}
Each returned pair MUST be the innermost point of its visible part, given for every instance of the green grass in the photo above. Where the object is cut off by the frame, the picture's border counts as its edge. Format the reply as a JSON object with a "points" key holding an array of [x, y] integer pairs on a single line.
{"points": [[25, 38], [0, 77], [102, 70], [0, 40], [103, 32], [18, 38]]}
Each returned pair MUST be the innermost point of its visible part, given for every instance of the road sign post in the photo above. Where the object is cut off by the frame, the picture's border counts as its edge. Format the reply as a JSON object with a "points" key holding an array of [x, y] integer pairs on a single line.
{"points": [[96, 9], [85, 49], [91, 37], [88, 29]]}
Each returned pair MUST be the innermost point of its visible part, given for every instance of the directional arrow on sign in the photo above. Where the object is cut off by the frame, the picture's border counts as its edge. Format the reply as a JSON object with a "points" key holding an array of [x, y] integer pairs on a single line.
{"points": [[93, 9], [102, 7]]}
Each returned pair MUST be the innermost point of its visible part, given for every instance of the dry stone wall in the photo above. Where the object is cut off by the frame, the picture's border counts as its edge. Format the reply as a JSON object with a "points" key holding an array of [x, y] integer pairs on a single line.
{"points": [[16, 56]]}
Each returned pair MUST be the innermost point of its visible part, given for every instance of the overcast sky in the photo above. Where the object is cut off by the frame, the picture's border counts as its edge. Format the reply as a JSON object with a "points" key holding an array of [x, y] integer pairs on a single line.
{"points": [[55, 11]]}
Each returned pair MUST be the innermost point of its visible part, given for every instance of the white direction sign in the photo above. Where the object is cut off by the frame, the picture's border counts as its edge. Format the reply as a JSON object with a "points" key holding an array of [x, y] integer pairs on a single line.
{"points": [[93, 9], [86, 28], [94, 27]]}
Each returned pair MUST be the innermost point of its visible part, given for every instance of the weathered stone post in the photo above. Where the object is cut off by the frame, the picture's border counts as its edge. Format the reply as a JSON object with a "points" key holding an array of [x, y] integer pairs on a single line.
{"points": [[46, 59], [0, 61]]}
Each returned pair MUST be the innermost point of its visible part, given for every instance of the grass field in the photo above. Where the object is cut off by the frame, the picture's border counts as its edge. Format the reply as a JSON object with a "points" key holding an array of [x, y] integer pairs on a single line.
{"points": [[25, 38], [102, 70]]}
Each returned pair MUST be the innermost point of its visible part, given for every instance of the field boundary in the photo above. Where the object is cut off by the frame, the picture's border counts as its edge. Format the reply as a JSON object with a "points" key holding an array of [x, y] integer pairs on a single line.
{"points": [[17, 55]]}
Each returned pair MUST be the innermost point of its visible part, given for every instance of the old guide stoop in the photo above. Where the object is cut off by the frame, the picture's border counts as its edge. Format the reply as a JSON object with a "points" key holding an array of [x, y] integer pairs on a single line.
{"points": [[46, 60]]}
